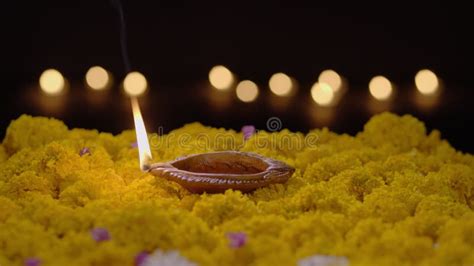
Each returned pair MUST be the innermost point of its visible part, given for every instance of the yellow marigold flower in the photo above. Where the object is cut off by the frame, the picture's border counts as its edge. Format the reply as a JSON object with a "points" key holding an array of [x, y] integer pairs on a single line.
{"points": [[31, 132], [390, 131], [7, 207], [26, 182], [3, 154], [214, 209]]}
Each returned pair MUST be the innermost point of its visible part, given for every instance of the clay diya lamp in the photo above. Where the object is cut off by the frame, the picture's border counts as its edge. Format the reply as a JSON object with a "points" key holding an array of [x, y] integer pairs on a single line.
{"points": [[218, 171]]}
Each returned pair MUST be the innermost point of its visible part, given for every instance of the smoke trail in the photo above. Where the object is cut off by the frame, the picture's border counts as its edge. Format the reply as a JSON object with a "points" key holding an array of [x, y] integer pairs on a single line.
{"points": [[140, 130], [123, 34]]}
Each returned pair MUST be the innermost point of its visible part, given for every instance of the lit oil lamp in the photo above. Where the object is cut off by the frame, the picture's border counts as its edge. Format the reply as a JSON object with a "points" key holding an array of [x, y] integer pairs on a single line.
{"points": [[218, 171], [211, 172]]}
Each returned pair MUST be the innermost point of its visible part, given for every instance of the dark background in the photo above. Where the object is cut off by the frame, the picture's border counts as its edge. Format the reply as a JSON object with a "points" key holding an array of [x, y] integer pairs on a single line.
{"points": [[176, 45]]}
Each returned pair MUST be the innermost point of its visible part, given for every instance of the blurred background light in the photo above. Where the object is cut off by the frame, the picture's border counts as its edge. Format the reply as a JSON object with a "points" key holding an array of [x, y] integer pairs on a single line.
{"points": [[135, 84], [380, 88], [331, 78], [247, 91], [426, 82], [97, 78], [280, 84], [52, 82], [322, 94], [221, 78]]}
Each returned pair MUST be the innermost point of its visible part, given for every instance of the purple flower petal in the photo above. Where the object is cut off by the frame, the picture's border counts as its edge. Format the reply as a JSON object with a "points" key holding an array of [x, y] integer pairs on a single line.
{"points": [[248, 131], [134, 145], [32, 262], [140, 258], [100, 234], [237, 239], [84, 151]]}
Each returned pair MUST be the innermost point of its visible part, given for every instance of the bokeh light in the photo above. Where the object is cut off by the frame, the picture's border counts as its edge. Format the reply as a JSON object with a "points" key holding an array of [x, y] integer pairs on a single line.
{"points": [[135, 84], [322, 94], [280, 84], [380, 88], [97, 78], [331, 78], [247, 91], [221, 78], [426, 81], [52, 82]]}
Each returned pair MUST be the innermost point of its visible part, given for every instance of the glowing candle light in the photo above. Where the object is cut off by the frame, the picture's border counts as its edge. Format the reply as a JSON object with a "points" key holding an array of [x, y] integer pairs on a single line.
{"points": [[135, 84], [97, 78], [331, 78], [280, 84], [247, 91], [426, 82], [221, 78], [52, 82], [144, 150], [380, 88], [322, 94]]}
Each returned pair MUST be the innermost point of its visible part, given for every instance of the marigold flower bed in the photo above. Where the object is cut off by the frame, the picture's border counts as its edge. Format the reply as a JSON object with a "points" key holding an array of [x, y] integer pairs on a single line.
{"points": [[391, 195]]}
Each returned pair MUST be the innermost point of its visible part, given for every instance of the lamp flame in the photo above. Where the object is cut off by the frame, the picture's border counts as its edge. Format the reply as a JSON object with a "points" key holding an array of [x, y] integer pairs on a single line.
{"points": [[142, 137]]}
